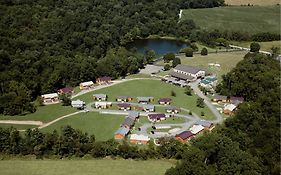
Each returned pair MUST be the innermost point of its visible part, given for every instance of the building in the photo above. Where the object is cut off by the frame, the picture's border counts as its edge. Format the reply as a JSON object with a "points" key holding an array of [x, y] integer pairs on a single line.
{"points": [[86, 85], [236, 100], [134, 114], [100, 97], [144, 100], [124, 99], [209, 82], [102, 105], [184, 136], [229, 109], [172, 109], [219, 98], [50, 98], [121, 133], [124, 106], [187, 73], [206, 124], [139, 139], [128, 122], [78, 104], [66, 90], [103, 80], [164, 101], [148, 108], [196, 129], [156, 117]]}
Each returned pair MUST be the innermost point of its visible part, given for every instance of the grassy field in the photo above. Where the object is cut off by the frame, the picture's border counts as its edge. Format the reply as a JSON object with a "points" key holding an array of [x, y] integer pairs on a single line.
{"points": [[43, 113], [103, 126], [227, 60], [153, 88], [254, 19], [84, 167], [19, 127], [252, 2], [265, 46]]}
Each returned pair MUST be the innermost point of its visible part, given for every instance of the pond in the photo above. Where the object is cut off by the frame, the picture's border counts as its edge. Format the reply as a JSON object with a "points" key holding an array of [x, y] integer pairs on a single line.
{"points": [[160, 46]]}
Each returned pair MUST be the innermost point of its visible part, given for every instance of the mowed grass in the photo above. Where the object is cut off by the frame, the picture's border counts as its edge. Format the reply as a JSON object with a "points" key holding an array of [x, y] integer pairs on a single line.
{"points": [[255, 19], [44, 113], [103, 126], [265, 46], [84, 167], [252, 2], [153, 88]]}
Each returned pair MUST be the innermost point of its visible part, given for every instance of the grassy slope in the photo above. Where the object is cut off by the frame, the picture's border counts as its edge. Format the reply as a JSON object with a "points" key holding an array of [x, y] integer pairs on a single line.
{"points": [[244, 19], [44, 113], [253, 2], [154, 88], [103, 126], [84, 167], [19, 127], [265, 46]]}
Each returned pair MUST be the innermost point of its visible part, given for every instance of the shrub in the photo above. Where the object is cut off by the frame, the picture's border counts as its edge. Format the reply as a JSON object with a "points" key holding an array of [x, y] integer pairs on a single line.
{"points": [[204, 51]]}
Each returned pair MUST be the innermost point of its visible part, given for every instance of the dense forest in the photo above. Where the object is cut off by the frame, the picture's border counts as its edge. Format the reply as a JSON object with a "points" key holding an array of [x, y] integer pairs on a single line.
{"points": [[46, 45]]}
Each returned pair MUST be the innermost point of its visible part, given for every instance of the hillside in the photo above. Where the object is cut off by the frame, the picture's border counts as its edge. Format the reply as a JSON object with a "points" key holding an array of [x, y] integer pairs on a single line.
{"points": [[253, 2], [252, 20]]}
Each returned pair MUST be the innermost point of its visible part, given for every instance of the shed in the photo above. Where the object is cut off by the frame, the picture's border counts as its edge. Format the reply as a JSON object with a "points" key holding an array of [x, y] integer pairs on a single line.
{"points": [[165, 101], [86, 85], [139, 139], [196, 129], [121, 133], [100, 97], [78, 104], [50, 98], [156, 117], [124, 106]]}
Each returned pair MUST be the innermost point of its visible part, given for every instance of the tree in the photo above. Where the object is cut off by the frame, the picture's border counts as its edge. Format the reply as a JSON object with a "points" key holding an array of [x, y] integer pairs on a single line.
{"points": [[176, 61], [188, 91], [168, 57], [194, 47], [173, 93], [200, 102], [150, 56], [189, 52], [254, 47], [66, 100], [167, 67], [204, 51]]}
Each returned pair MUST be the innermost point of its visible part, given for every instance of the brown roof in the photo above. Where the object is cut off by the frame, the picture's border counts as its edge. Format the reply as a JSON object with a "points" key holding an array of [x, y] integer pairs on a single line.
{"points": [[123, 105], [165, 100], [128, 122], [184, 135], [156, 116], [104, 78], [66, 90], [220, 97]]}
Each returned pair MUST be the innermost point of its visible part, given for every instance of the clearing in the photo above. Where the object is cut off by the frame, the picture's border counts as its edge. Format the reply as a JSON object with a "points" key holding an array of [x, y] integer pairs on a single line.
{"points": [[265, 46], [252, 2], [254, 19]]}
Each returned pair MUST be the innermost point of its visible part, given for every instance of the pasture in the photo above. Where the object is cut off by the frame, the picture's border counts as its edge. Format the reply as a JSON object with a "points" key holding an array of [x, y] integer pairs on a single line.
{"points": [[252, 2], [254, 19]]}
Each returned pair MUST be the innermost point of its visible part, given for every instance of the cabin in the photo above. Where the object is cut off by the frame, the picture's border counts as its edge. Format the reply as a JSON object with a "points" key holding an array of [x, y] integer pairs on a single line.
{"points": [[103, 80], [102, 105], [229, 109], [206, 124], [196, 129], [144, 100], [124, 106], [219, 98], [187, 73], [128, 122], [139, 139], [100, 97], [236, 100], [78, 104], [184, 136], [124, 99], [121, 133], [50, 98], [134, 115], [66, 90], [165, 101], [86, 85], [156, 117], [172, 109], [148, 108]]}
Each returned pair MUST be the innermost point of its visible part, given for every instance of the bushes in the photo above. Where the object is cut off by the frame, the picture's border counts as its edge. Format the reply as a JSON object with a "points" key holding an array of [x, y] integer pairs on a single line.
{"points": [[189, 52], [255, 47], [204, 52], [167, 67]]}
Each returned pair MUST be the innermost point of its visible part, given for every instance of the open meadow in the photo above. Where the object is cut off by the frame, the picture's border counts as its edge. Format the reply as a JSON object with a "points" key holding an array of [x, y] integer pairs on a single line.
{"points": [[252, 2], [85, 167], [265, 46], [254, 19]]}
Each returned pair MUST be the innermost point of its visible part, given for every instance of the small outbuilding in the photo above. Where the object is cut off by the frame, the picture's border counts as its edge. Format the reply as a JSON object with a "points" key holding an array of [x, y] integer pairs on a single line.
{"points": [[139, 139], [121, 133], [229, 109], [144, 100], [124, 106], [50, 98], [66, 90], [172, 109], [124, 99], [156, 117], [184, 136], [78, 104], [86, 85], [148, 108], [165, 101], [196, 129], [100, 97], [206, 124], [103, 80]]}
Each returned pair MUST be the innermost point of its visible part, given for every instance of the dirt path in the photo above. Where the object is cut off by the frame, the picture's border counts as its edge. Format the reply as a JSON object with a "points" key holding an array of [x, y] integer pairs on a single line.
{"points": [[19, 122]]}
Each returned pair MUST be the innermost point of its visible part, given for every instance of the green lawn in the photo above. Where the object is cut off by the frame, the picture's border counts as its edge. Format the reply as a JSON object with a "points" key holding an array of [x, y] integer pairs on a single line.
{"points": [[253, 20], [18, 127], [84, 167], [265, 46], [253, 2], [44, 113], [103, 126], [154, 88]]}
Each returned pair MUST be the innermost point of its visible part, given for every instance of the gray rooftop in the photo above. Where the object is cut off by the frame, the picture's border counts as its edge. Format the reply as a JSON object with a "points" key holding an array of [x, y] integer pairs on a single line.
{"points": [[133, 114], [123, 131], [77, 102], [188, 69], [99, 95], [144, 98], [171, 108], [204, 123], [128, 122], [148, 106], [181, 76]]}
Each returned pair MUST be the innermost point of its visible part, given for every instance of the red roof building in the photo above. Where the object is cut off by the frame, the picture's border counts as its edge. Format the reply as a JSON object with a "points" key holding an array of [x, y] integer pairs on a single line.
{"points": [[66, 90], [184, 136], [103, 80], [165, 101]]}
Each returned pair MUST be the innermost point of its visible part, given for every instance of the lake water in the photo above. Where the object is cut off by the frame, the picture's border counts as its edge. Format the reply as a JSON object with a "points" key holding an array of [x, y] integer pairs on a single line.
{"points": [[160, 46]]}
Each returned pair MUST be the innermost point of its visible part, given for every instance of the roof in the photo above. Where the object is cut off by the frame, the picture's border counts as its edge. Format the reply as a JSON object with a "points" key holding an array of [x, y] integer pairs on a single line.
{"points": [[186, 68], [230, 107], [205, 81], [128, 122], [105, 78], [123, 105], [133, 114], [52, 95], [139, 137], [148, 106], [144, 98], [185, 135], [165, 100], [122, 97], [196, 128], [241, 99], [172, 108], [88, 83], [122, 131], [77, 102], [211, 78], [220, 97], [181, 76], [102, 103], [100, 95], [204, 123], [66, 90], [156, 116]]}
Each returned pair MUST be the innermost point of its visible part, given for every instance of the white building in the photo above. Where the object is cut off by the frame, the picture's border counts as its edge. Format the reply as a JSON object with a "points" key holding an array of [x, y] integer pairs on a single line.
{"points": [[50, 98], [78, 104], [86, 85], [187, 73], [196, 129]]}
